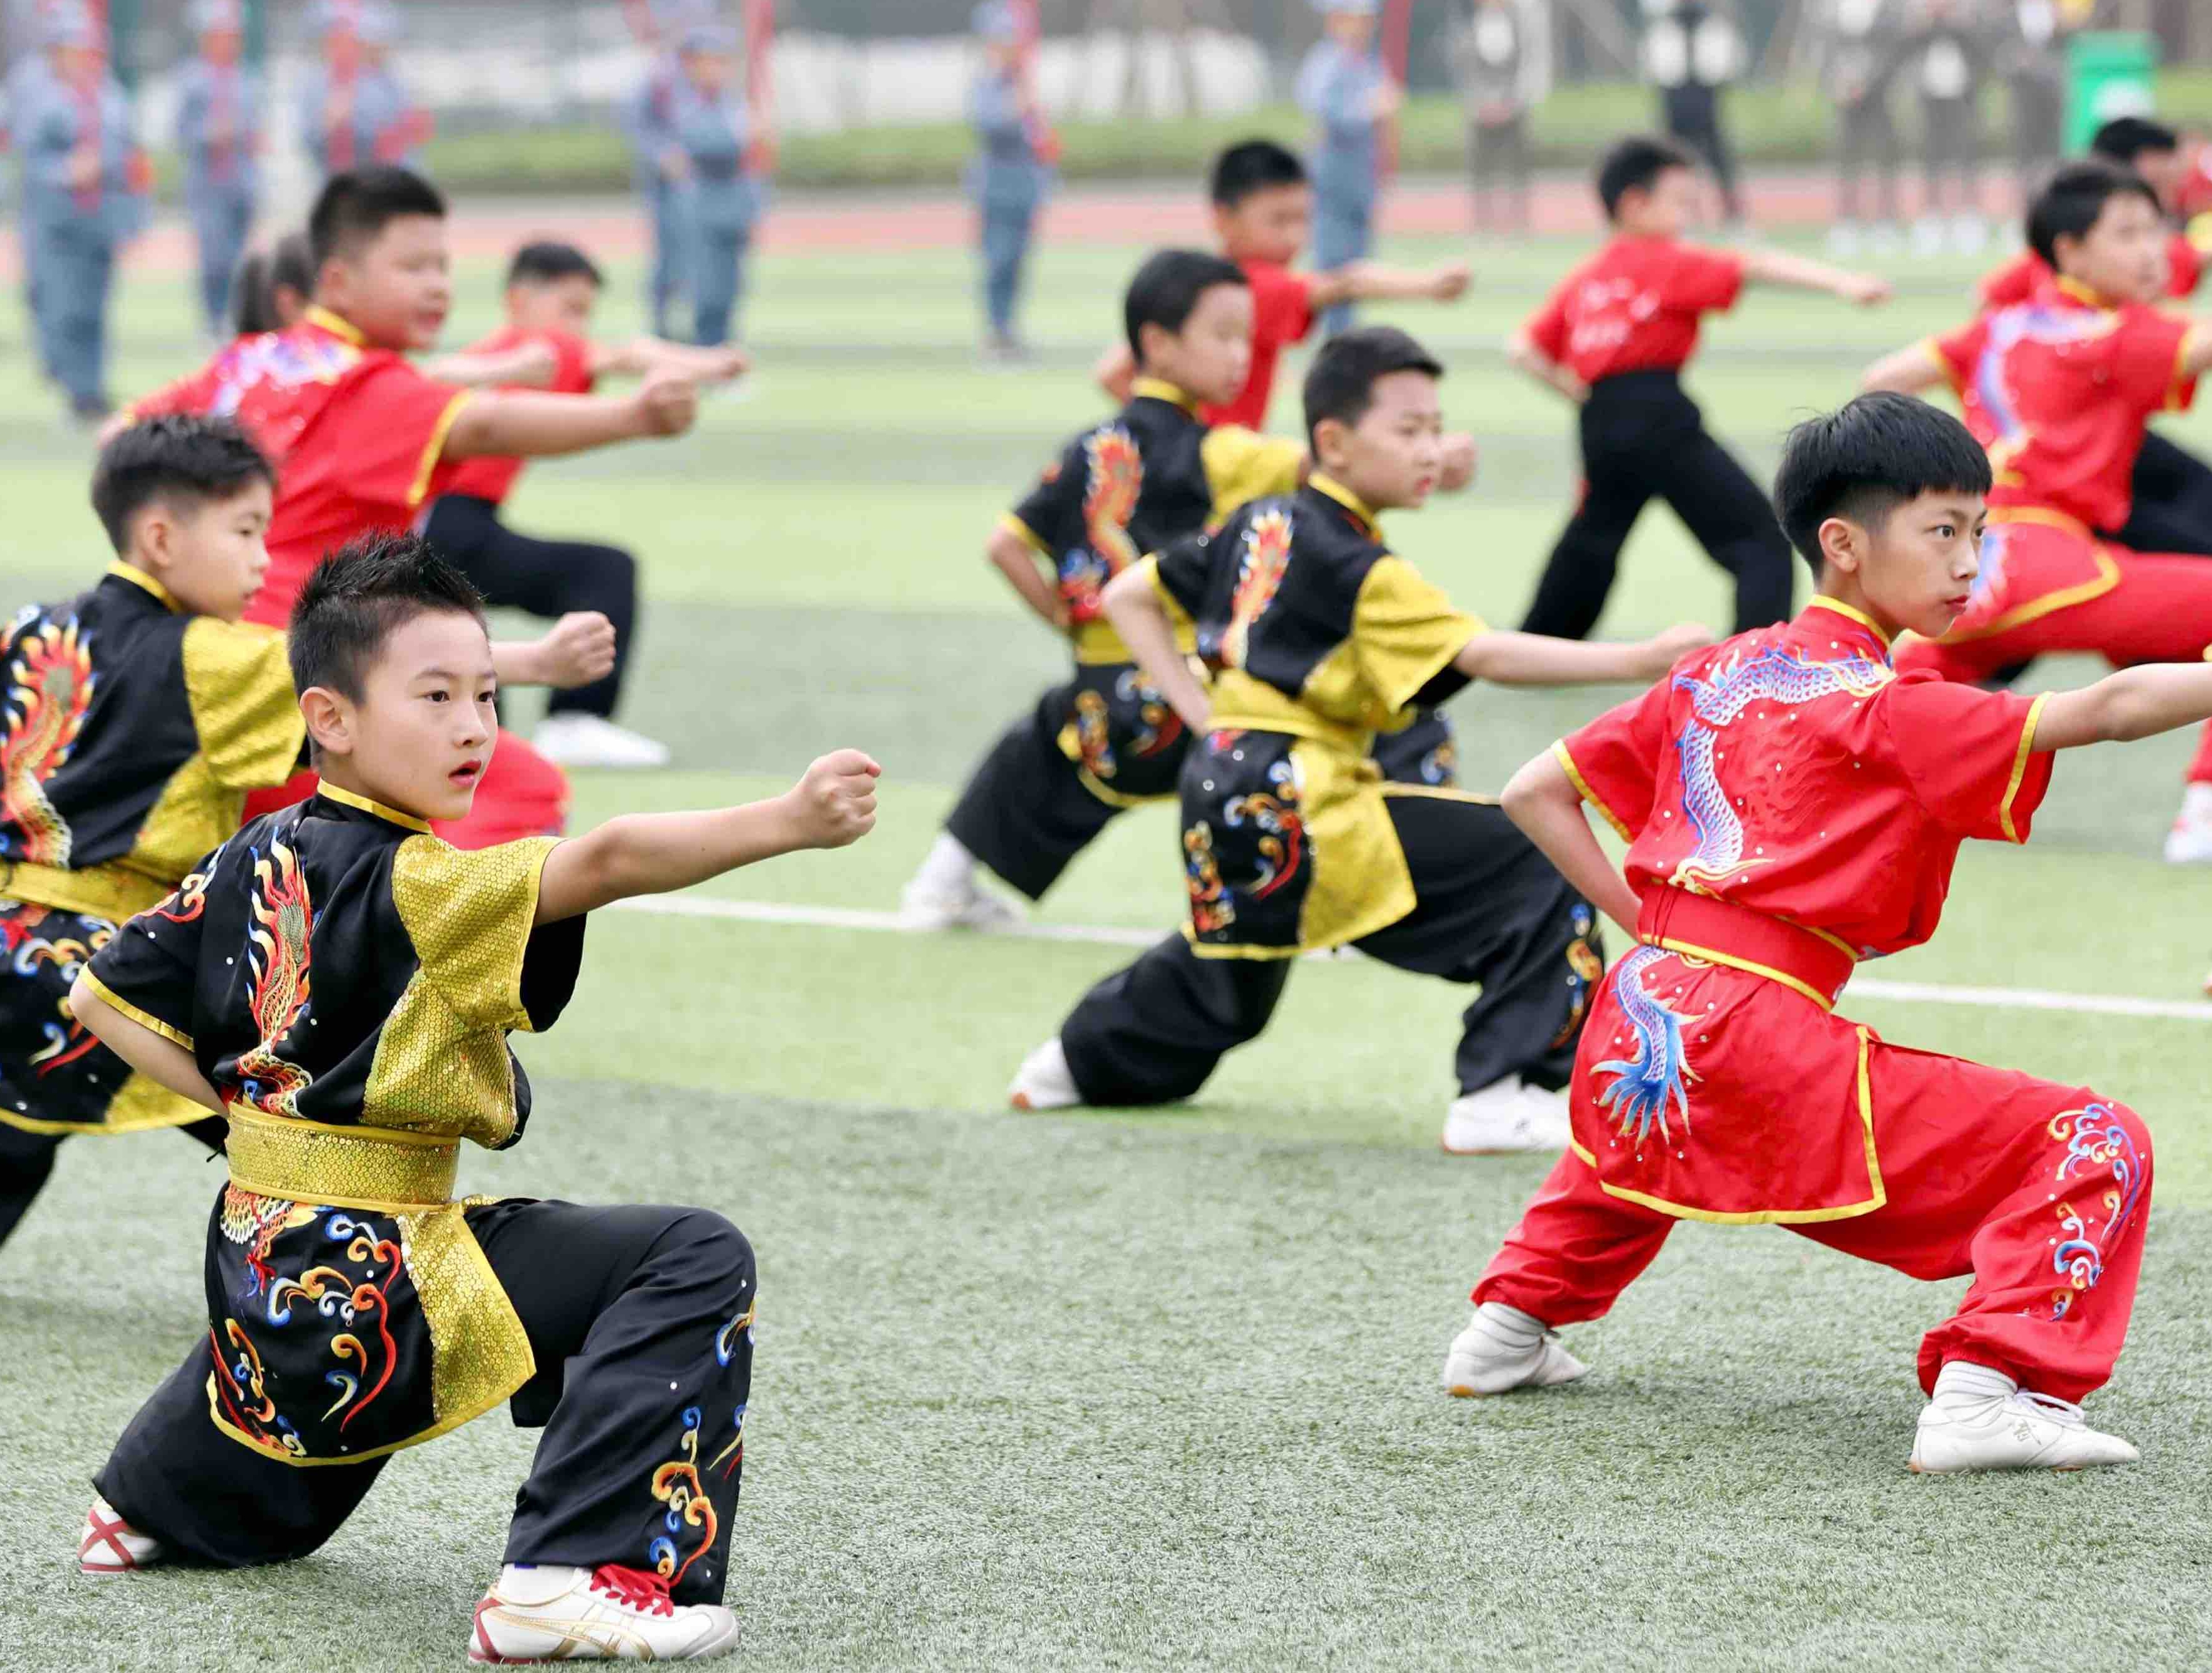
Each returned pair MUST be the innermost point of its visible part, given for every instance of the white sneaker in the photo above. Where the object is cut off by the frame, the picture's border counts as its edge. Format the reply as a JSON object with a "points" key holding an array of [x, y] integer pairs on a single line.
{"points": [[106, 1544], [574, 739], [2020, 1431], [1490, 1357], [1043, 1082], [924, 905], [1507, 1117], [2188, 842], [604, 1613]]}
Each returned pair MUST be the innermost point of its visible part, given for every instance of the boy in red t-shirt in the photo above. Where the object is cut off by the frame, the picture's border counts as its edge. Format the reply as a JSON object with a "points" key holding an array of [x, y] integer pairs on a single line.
{"points": [[551, 291], [2059, 390], [362, 440], [1613, 339], [1793, 803]]}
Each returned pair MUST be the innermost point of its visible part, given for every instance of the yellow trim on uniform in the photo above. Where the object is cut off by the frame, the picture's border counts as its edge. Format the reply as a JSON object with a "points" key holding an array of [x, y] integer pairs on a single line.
{"points": [[1244, 703], [1322, 482], [138, 577], [1241, 466], [1015, 525], [2082, 293], [1709, 956], [336, 324], [1932, 347], [1159, 389], [2182, 375], [1822, 601], [2108, 575], [143, 1106], [106, 995], [112, 892], [442, 1426], [1582, 789], [1071, 746], [1392, 787], [1237, 949], [2019, 768], [436, 446], [1831, 939], [345, 798]]}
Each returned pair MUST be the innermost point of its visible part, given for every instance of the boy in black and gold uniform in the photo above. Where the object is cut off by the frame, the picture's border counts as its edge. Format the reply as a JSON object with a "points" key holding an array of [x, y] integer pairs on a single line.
{"points": [[341, 983], [1320, 636], [1106, 740], [134, 719]]}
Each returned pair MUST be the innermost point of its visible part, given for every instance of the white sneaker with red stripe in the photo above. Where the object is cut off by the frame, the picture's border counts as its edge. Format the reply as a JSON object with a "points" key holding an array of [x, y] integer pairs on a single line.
{"points": [[609, 1613], [106, 1544]]}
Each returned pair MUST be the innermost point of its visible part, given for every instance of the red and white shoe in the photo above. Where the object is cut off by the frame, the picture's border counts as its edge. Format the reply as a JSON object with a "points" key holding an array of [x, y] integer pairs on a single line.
{"points": [[609, 1613], [106, 1544]]}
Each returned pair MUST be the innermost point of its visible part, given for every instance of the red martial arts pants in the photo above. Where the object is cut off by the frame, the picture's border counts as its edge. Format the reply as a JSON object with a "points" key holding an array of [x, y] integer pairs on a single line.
{"points": [[521, 794], [2040, 1191]]}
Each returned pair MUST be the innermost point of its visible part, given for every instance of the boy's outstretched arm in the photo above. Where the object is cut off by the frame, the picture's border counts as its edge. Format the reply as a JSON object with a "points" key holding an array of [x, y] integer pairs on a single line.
{"points": [[2136, 702], [1017, 560], [576, 650], [1908, 371], [1521, 350], [531, 364], [1534, 659], [642, 355], [1764, 266], [651, 853], [1133, 607], [156, 1057], [1543, 802], [526, 424], [1371, 281]]}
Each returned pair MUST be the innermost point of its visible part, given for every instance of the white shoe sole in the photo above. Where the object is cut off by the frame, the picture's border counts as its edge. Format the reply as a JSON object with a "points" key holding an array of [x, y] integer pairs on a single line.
{"points": [[720, 1643]]}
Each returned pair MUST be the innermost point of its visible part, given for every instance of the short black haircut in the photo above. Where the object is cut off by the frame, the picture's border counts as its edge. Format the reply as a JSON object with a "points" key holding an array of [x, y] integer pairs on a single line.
{"points": [[1166, 291], [1634, 164], [547, 261], [1250, 166], [358, 596], [184, 461], [2125, 138], [254, 290], [1341, 383], [2073, 198], [1866, 458], [356, 205]]}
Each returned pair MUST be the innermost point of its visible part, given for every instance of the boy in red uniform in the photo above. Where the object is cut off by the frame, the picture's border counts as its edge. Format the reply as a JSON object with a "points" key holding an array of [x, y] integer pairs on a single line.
{"points": [[2058, 390], [1613, 339], [551, 291], [362, 440], [2172, 508], [1793, 804]]}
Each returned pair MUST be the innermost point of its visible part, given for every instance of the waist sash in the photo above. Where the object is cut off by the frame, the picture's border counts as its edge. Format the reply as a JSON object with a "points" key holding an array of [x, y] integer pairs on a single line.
{"points": [[1810, 961]]}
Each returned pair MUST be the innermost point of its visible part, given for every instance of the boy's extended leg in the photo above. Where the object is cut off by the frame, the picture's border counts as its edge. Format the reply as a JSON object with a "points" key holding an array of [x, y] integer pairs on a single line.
{"points": [[2172, 505], [27, 1161], [1152, 1032], [1735, 522], [1570, 594]]}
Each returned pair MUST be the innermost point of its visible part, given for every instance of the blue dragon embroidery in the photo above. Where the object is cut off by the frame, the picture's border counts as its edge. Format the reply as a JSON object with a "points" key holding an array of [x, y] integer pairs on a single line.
{"points": [[1659, 1074], [2027, 324]]}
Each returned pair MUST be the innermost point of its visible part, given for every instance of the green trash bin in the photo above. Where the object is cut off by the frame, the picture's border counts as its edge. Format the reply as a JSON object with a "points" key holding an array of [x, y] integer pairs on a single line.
{"points": [[2109, 73]]}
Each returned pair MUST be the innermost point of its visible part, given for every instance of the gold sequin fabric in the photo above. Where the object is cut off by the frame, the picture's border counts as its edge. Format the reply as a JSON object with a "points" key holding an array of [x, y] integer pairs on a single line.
{"points": [[479, 1352], [272, 1157]]}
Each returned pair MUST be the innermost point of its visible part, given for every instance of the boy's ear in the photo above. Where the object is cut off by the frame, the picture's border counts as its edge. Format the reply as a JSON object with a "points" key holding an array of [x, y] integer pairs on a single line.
{"points": [[1151, 336], [1842, 543], [329, 716], [152, 536], [1329, 439]]}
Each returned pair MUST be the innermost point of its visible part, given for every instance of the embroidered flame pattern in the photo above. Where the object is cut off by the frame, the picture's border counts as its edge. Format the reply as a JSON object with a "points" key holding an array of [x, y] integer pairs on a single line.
{"points": [[1211, 908], [1115, 479], [1259, 573], [1282, 828], [283, 921], [49, 686], [676, 1485]]}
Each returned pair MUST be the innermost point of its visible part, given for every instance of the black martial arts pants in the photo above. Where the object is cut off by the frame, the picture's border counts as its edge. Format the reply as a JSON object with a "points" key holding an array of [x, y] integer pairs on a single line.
{"points": [[1644, 439], [1489, 907], [1694, 120], [2172, 508], [27, 1161], [547, 578], [641, 1322]]}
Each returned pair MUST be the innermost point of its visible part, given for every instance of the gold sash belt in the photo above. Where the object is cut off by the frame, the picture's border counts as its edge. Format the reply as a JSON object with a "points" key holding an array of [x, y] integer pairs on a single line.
{"points": [[101, 892], [377, 1169]]}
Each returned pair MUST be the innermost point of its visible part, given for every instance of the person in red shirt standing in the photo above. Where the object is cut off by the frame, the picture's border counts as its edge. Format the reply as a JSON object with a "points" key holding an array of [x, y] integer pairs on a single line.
{"points": [[2172, 508], [2059, 390], [551, 291], [362, 440], [1612, 338], [1794, 803]]}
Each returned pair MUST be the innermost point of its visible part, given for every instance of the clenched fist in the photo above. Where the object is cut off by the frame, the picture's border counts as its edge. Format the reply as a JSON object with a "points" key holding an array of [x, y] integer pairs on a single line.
{"points": [[667, 403], [579, 649], [834, 805], [1459, 459]]}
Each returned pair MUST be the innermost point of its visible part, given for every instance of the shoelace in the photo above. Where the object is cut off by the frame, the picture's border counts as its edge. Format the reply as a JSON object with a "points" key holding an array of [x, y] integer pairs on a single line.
{"points": [[634, 1588], [2050, 1406]]}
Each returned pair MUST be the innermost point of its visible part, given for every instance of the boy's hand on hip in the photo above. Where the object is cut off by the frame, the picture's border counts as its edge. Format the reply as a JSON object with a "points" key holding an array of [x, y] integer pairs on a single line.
{"points": [[834, 805], [667, 403], [579, 648]]}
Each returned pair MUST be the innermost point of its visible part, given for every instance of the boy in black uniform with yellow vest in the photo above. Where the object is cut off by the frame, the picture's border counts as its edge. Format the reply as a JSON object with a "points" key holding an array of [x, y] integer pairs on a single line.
{"points": [[341, 984], [1106, 740], [134, 719], [1319, 637]]}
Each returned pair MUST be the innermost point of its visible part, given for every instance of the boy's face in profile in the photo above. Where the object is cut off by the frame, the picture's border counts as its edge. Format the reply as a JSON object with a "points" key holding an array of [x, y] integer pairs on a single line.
{"points": [[395, 289], [1661, 210], [1210, 356], [564, 304], [421, 736], [1270, 224], [2165, 170], [207, 552], [1917, 566], [1393, 456], [2123, 256]]}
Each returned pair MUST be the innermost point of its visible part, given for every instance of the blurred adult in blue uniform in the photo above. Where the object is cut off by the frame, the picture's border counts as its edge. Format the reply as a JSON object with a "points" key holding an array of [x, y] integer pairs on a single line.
{"points": [[693, 131], [1346, 91], [219, 137], [660, 25], [1012, 172], [353, 109], [84, 196]]}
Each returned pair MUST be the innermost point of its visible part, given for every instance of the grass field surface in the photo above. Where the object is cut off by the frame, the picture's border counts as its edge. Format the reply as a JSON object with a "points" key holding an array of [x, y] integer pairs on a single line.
{"points": [[1131, 1391]]}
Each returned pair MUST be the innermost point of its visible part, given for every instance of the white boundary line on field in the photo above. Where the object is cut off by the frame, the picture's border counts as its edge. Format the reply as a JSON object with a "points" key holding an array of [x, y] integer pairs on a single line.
{"points": [[1864, 987]]}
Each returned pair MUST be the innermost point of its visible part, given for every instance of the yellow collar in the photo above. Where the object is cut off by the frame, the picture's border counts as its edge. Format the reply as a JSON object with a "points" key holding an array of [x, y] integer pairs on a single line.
{"points": [[1822, 601], [2082, 293], [1322, 482], [1161, 390], [345, 798], [336, 324], [138, 577]]}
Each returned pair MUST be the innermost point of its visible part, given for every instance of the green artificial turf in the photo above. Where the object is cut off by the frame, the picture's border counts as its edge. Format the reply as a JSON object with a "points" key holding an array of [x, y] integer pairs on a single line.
{"points": [[1138, 1391]]}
